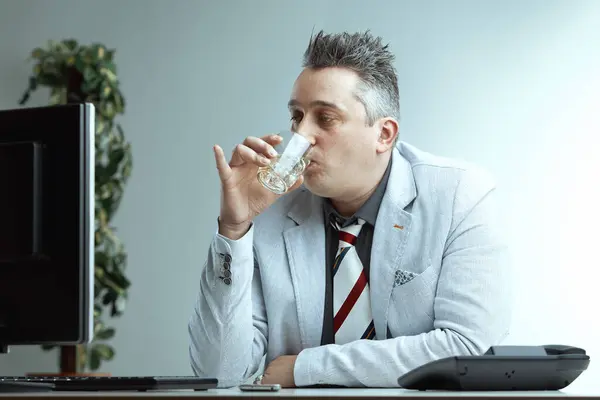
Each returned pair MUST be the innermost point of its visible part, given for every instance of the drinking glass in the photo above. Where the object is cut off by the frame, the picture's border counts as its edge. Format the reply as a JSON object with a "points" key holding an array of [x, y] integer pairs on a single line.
{"points": [[285, 169]]}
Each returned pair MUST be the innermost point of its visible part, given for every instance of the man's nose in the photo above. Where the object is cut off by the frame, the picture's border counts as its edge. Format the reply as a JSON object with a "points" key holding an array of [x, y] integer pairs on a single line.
{"points": [[306, 130]]}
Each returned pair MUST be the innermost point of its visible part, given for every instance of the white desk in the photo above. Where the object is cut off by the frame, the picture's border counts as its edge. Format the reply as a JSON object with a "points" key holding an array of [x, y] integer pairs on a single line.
{"points": [[354, 394]]}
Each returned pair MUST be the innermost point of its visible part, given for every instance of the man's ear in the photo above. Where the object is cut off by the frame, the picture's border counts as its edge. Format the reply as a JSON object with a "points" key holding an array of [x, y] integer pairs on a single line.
{"points": [[388, 132]]}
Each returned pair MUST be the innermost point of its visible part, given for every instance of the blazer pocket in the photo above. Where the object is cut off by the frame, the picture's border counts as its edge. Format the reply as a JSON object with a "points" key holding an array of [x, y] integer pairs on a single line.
{"points": [[402, 277], [411, 307], [411, 284]]}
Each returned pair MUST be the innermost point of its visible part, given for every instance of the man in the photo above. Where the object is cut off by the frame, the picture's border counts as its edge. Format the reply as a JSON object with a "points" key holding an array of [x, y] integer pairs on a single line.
{"points": [[420, 273]]}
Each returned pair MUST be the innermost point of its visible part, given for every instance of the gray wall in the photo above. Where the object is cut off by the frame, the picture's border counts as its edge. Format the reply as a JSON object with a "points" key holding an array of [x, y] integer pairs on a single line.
{"points": [[511, 85]]}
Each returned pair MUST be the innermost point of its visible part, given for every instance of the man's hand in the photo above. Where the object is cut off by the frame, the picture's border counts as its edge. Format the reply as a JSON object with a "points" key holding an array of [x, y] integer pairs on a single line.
{"points": [[280, 370], [242, 195]]}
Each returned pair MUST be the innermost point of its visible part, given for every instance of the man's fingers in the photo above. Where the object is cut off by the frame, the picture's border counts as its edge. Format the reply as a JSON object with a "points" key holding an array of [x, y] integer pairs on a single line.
{"points": [[246, 154], [273, 140], [221, 161], [254, 150], [261, 146]]}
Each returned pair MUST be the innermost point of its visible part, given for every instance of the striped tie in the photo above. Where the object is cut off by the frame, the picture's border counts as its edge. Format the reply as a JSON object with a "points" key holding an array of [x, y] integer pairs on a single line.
{"points": [[351, 302]]}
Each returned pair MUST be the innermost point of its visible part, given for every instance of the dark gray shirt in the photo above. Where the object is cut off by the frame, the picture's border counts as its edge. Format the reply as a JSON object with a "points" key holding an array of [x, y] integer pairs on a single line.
{"points": [[367, 212]]}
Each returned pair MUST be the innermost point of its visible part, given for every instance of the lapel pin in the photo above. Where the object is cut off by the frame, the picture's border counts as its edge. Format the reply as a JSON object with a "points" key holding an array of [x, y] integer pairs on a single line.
{"points": [[398, 226]]}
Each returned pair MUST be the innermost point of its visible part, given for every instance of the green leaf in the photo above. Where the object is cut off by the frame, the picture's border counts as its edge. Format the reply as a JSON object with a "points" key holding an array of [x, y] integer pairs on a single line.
{"points": [[104, 351], [110, 296], [98, 52], [109, 65], [80, 63], [70, 44], [51, 80], [120, 280], [118, 307], [105, 90], [25, 97], [119, 104], [105, 334], [38, 53], [94, 359], [109, 55], [101, 260], [115, 158]]}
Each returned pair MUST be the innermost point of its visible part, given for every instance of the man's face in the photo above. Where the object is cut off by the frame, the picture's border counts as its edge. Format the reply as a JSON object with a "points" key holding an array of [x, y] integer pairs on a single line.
{"points": [[324, 108]]}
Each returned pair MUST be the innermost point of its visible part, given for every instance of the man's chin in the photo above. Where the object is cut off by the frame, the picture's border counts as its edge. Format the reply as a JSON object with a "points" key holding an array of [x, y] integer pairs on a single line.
{"points": [[315, 183]]}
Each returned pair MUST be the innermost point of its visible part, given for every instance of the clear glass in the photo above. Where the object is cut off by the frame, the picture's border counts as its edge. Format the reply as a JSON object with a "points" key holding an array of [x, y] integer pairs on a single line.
{"points": [[286, 168]]}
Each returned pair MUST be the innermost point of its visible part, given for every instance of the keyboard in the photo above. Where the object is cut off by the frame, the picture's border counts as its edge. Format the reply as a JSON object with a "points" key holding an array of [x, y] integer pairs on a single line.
{"points": [[103, 383]]}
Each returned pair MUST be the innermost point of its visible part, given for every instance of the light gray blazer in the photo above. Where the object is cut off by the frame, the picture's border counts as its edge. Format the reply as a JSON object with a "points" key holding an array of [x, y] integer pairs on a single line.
{"points": [[439, 282]]}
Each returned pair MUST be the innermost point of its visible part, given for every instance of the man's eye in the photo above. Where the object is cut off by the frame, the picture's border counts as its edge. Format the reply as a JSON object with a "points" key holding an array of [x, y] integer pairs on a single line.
{"points": [[325, 118]]}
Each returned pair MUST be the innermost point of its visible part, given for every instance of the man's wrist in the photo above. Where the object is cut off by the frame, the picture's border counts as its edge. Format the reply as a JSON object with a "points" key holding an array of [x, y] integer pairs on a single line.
{"points": [[233, 231]]}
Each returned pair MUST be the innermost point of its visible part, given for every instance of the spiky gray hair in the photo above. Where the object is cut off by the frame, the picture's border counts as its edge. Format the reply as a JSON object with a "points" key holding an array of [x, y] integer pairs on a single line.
{"points": [[364, 54]]}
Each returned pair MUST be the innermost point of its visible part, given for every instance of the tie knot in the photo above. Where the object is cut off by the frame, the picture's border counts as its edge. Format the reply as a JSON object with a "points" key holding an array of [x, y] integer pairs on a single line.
{"points": [[349, 233]]}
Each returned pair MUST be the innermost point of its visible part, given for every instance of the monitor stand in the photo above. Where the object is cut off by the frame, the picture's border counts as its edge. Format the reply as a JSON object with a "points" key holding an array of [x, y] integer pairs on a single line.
{"points": [[7, 386]]}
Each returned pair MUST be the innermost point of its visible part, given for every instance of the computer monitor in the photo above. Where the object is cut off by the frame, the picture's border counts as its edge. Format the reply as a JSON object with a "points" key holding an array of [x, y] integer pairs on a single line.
{"points": [[47, 225]]}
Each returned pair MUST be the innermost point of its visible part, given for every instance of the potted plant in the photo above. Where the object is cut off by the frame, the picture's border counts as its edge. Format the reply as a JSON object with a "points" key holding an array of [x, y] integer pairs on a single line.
{"points": [[75, 73]]}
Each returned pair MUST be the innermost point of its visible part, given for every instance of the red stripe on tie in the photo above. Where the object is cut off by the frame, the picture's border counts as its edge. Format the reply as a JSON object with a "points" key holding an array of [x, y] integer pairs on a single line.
{"points": [[347, 237], [352, 298]]}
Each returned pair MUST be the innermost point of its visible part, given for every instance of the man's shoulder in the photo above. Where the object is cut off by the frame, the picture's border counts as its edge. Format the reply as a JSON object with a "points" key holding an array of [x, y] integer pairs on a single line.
{"points": [[446, 176], [422, 160]]}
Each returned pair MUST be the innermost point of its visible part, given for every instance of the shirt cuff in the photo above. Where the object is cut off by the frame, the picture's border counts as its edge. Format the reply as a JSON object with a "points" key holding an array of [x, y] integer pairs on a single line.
{"points": [[228, 252], [239, 248]]}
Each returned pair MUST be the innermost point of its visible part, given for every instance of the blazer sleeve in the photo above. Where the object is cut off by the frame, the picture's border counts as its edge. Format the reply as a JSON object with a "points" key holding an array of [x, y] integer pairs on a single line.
{"points": [[472, 305], [225, 312]]}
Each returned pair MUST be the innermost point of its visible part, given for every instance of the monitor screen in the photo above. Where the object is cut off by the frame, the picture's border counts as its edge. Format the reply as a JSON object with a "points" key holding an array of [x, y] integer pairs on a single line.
{"points": [[47, 224]]}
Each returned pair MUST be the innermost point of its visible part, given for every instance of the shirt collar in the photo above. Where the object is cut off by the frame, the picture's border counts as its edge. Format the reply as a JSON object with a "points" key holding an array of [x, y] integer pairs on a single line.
{"points": [[368, 211]]}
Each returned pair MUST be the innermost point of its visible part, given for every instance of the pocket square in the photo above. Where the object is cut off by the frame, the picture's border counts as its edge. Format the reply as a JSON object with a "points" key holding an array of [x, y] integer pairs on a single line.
{"points": [[401, 277]]}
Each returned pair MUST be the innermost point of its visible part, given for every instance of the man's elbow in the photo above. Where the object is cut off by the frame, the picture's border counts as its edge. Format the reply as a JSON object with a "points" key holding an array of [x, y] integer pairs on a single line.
{"points": [[472, 344], [214, 371], [204, 364], [478, 341], [208, 361], [490, 327]]}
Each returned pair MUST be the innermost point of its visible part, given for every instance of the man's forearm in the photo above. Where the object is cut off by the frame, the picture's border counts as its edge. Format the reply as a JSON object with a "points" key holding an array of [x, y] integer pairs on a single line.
{"points": [[220, 344], [378, 363]]}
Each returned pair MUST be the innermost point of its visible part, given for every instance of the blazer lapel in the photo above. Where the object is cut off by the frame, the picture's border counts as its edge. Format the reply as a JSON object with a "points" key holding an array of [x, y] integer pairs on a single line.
{"points": [[305, 247], [392, 229]]}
